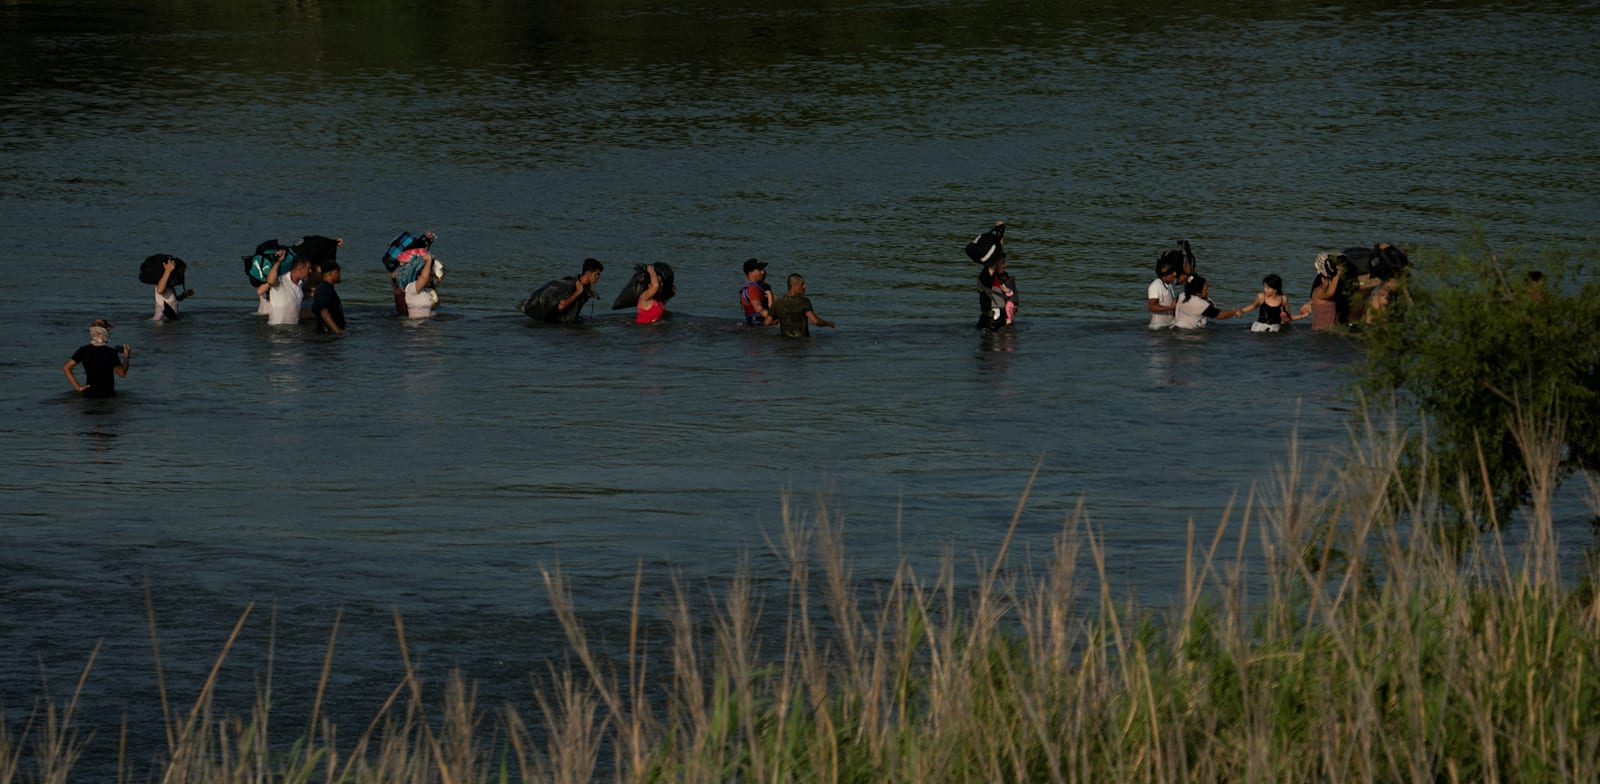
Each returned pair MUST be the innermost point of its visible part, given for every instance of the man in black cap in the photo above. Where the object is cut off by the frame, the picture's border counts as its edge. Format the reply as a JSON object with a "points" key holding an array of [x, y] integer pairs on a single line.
{"points": [[755, 296]]}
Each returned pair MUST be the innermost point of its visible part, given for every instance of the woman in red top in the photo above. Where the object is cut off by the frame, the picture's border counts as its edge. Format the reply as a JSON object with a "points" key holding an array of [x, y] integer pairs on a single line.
{"points": [[652, 301]]}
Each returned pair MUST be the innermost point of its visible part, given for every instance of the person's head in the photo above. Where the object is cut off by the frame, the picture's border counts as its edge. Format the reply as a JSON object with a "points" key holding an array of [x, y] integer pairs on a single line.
{"points": [[1167, 268], [330, 272], [755, 270], [797, 284], [1272, 284], [591, 271], [300, 269], [1196, 286], [100, 331], [1325, 266], [1536, 277]]}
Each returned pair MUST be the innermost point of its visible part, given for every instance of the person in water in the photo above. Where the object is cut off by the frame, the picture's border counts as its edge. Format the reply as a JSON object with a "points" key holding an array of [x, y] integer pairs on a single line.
{"points": [[285, 290], [1329, 306], [166, 299], [101, 363], [755, 296], [652, 305], [326, 307], [997, 296], [417, 276], [1195, 308], [1161, 296], [1272, 307], [420, 244], [794, 311], [582, 290]]}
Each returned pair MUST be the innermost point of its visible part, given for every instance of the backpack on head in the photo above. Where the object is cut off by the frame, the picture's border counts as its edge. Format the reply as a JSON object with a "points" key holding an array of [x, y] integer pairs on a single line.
{"points": [[986, 246], [259, 264], [400, 244], [151, 269]]}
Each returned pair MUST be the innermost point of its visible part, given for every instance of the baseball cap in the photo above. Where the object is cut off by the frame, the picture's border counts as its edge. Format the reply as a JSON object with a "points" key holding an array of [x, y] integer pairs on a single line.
{"points": [[752, 264]]}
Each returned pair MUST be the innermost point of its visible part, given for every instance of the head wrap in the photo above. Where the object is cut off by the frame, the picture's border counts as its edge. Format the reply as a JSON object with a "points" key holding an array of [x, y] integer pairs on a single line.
{"points": [[1324, 265], [99, 335]]}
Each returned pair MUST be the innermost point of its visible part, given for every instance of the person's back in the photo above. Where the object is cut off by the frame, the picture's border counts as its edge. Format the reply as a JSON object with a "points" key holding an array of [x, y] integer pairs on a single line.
{"points": [[101, 363], [99, 369], [790, 310]]}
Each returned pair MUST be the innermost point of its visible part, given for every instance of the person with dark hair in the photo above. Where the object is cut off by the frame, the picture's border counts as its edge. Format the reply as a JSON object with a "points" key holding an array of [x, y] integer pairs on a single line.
{"points": [[326, 308], [755, 296], [561, 301], [582, 290], [794, 311], [1272, 307], [1195, 308], [652, 304], [1161, 298], [101, 363]]}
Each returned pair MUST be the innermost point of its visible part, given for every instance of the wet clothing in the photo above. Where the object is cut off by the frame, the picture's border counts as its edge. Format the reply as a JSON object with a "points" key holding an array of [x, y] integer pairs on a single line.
{"points": [[326, 298], [650, 314], [419, 304], [166, 306], [1272, 314], [791, 313], [997, 300], [100, 365], [753, 296], [1194, 313], [1324, 315], [286, 298], [1163, 293]]}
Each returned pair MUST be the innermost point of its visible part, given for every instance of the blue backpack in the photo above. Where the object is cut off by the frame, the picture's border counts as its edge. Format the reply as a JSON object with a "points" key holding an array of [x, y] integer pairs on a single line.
{"points": [[406, 241], [259, 264]]}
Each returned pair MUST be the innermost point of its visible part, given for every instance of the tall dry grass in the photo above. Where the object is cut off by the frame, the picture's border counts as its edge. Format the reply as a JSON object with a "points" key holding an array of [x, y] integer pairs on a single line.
{"points": [[1330, 629]]}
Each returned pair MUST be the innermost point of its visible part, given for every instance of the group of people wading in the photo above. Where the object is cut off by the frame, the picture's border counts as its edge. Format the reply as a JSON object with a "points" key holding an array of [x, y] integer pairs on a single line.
{"points": [[1349, 288], [297, 281]]}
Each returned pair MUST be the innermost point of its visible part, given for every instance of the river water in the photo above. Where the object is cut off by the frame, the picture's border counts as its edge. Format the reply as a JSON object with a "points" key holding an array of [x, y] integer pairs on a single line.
{"points": [[434, 468]]}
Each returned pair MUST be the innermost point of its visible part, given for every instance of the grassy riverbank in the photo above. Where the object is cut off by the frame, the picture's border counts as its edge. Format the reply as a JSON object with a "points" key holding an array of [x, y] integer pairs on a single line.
{"points": [[1355, 645]]}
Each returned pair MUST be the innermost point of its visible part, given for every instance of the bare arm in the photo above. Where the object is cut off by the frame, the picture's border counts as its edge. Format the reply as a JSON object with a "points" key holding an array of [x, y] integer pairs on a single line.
{"points": [[166, 273], [326, 314], [122, 369], [272, 272], [67, 369], [425, 277], [649, 294], [818, 321]]}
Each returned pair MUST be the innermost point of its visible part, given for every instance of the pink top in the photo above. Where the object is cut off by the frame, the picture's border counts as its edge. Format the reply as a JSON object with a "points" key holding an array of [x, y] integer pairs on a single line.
{"points": [[650, 314]]}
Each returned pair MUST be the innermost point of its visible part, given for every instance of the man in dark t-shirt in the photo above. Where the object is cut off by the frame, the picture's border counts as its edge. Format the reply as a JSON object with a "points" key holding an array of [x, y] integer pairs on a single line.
{"points": [[794, 312], [101, 363], [326, 307]]}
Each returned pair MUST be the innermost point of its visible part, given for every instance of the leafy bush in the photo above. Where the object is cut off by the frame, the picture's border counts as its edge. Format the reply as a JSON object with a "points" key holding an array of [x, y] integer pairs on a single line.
{"points": [[1471, 344]]}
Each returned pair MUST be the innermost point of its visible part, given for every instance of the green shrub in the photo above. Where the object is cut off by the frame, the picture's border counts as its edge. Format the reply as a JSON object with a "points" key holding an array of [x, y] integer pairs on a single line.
{"points": [[1470, 344]]}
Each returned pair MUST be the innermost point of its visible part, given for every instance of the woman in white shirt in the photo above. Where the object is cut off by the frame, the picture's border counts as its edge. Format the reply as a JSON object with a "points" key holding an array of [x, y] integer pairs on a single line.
{"points": [[1195, 308]]}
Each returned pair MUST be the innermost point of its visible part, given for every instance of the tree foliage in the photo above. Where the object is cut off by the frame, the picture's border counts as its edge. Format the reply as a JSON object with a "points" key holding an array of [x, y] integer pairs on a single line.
{"points": [[1471, 343]]}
